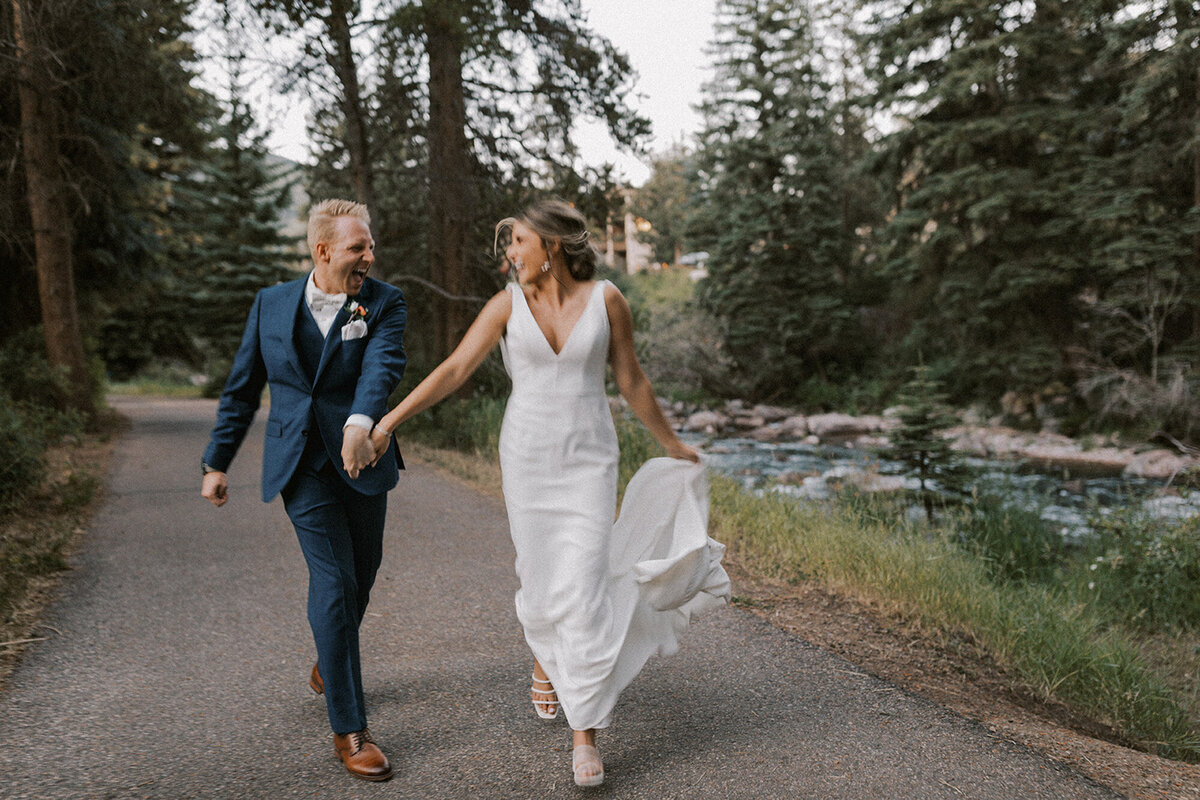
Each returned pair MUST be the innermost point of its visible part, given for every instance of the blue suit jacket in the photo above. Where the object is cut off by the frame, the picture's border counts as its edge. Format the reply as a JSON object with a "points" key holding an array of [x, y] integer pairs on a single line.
{"points": [[354, 377]]}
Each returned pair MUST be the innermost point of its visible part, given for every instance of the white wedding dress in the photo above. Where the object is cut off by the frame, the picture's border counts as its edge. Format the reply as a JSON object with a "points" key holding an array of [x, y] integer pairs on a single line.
{"points": [[597, 599]]}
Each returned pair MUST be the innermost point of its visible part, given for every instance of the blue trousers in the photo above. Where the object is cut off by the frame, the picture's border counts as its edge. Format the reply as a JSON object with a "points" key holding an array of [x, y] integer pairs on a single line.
{"points": [[341, 534]]}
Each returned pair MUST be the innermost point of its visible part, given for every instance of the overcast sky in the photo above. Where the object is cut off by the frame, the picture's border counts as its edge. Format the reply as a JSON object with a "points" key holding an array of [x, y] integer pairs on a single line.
{"points": [[665, 41]]}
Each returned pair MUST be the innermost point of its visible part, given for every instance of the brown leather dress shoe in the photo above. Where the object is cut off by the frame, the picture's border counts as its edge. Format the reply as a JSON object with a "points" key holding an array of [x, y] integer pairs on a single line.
{"points": [[362, 757], [315, 682]]}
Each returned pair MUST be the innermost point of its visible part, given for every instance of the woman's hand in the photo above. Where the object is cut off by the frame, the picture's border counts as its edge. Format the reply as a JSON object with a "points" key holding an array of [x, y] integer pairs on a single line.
{"points": [[681, 450], [380, 441]]}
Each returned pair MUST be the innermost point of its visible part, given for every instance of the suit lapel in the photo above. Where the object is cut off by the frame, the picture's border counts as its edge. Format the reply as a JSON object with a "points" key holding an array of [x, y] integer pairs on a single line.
{"points": [[294, 305]]}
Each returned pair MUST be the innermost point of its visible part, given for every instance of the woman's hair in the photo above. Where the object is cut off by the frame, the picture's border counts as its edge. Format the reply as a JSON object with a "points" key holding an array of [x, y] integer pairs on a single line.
{"points": [[322, 215], [554, 219]]}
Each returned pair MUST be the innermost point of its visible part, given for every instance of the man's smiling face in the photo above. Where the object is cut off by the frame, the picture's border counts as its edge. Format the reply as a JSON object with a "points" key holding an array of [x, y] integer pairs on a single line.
{"points": [[342, 262]]}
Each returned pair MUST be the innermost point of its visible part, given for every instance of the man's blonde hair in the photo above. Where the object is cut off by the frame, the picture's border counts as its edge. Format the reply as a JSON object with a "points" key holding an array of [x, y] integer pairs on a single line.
{"points": [[321, 219]]}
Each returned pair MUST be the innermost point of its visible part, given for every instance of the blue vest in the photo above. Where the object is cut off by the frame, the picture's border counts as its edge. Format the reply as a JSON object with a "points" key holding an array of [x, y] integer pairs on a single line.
{"points": [[310, 344]]}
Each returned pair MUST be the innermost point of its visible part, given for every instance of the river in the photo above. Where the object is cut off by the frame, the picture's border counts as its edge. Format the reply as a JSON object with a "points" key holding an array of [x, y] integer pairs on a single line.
{"points": [[811, 472]]}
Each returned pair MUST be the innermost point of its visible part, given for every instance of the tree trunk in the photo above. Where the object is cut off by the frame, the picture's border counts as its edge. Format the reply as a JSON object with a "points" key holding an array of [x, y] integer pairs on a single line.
{"points": [[1196, 198], [450, 189], [49, 210], [341, 59]]}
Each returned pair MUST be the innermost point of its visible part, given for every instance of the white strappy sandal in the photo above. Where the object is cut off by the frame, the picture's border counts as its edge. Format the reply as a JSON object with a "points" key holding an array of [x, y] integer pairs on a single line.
{"points": [[583, 756], [539, 706]]}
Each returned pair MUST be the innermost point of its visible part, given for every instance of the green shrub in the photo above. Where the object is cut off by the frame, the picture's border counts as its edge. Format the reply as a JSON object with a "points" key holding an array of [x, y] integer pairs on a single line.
{"points": [[471, 425], [29, 418], [25, 374], [1148, 569], [21, 467], [1014, 542]]}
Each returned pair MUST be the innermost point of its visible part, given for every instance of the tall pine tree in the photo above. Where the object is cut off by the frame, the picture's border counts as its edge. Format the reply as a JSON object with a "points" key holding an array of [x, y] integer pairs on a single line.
{"points": [[768, 202], [995, 104], [1140, 209], [116, 147], [219, 223], [237, 208]]}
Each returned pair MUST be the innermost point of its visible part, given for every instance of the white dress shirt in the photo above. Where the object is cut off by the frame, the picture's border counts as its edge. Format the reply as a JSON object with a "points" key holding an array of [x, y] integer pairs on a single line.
{"points": [[325, 308]]}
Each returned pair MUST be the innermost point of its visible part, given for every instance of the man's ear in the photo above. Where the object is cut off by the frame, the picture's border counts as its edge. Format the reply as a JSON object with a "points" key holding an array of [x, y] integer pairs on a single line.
{"points": [[321, 252]]}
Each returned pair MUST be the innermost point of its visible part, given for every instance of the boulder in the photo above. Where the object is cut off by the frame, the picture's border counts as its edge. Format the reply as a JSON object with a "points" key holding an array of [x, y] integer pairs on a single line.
{"points": [[1159, 464], [794, 427], [1101, 461], [706, 422], [865, 481], [874, 482], [770, 413], [877, 424], [827, 426], [767, 433]]}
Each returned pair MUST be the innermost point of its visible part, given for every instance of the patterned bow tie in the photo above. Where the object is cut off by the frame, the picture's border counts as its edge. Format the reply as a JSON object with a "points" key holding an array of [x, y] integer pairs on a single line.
{"points": [[322, 303]]}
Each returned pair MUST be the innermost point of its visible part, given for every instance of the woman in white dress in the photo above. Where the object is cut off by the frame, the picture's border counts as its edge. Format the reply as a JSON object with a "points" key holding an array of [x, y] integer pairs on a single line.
{"points": [[596, 599]]}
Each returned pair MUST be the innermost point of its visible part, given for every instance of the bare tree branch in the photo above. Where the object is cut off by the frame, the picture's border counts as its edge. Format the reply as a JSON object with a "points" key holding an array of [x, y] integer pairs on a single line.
{"points": [[433, 287]]}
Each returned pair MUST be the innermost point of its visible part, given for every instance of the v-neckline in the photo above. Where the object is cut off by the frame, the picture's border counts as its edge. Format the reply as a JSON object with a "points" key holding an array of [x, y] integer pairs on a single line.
{"points": [[570, 333]]}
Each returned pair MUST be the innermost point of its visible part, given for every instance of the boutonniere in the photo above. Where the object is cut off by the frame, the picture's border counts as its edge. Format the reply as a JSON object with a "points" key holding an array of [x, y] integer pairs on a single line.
{"points": [[356, 328]]}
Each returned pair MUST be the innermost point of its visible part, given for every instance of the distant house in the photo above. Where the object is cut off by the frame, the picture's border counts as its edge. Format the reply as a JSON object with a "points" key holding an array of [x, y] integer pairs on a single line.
{"points": [[698, 261], [623, 250]]}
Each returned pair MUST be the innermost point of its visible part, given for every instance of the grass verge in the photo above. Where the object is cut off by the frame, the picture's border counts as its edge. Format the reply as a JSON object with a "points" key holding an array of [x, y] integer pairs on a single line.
{"points": [[1060, 648]]}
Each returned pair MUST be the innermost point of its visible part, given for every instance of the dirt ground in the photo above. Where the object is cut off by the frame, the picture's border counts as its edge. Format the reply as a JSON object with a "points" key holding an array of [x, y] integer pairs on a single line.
{"points": [[957, 676]]}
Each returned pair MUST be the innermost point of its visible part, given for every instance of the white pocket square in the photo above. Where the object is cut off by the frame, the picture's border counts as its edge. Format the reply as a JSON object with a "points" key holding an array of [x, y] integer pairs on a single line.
{"points": [[354, 329]]}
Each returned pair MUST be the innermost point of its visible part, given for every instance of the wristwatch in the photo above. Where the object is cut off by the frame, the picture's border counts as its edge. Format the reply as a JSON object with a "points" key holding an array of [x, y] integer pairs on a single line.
{"points": [[206, 468]]}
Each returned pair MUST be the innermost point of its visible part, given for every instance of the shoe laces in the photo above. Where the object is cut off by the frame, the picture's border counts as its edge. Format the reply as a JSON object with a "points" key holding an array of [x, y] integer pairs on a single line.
{"points": [[358, 739]]}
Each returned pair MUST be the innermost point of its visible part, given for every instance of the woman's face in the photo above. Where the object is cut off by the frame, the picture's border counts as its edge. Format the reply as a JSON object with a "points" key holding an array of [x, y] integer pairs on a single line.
{"points": [[525, 252]]}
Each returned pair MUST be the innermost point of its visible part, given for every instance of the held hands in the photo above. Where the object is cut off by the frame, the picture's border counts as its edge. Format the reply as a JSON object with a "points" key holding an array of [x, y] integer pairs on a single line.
{"points": [[380, 441], [357, 453], [215, 488]]}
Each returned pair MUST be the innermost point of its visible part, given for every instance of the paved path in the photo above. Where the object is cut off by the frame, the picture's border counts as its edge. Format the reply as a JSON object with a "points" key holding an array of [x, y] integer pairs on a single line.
{"points": [[179, 655]]}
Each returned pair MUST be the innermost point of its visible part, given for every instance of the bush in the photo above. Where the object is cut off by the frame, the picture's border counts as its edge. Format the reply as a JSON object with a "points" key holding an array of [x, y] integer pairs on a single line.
{"points": [[1148, 569], [29, 419], [25, 374], [636, 444], [1015, 543], [21, 468], [471, 425], [1132, 400]]}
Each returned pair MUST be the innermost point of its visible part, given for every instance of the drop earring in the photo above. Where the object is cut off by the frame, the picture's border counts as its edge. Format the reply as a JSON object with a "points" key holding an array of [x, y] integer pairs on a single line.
{"points": [[546, 265]]}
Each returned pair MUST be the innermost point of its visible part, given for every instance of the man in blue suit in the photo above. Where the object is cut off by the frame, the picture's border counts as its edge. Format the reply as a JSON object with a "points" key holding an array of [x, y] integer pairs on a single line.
{"points": [[331, 348]]}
